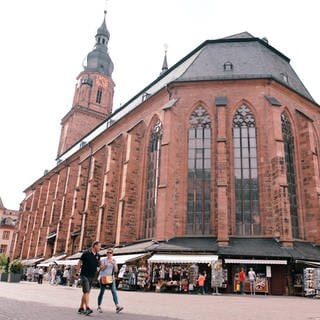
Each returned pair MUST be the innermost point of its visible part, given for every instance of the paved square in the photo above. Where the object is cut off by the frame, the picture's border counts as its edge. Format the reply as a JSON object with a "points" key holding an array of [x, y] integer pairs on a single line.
{"points": [[25, 301]]}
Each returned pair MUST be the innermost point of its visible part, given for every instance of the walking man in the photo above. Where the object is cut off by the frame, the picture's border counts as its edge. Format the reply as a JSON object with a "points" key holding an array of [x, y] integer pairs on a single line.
{"points": [[40, 275], [89, 263]]}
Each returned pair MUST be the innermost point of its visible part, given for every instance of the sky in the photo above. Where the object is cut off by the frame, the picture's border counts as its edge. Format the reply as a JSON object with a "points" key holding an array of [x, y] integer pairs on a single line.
{"points": [[43, 45]]}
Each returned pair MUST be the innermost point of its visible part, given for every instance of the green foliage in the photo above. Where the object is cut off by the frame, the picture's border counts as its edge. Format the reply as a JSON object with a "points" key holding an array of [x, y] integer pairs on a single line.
{"points": [[16, 266], [4, 263], [3, 259]]}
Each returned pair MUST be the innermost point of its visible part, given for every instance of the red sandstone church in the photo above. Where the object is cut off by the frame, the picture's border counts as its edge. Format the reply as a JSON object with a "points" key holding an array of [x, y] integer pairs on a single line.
{"points": [[219, 155]]}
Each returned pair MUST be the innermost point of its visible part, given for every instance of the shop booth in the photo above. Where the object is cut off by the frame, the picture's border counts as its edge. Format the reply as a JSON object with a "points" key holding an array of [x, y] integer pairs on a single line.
{"points": [[270, 275], [307, 278], [179, 272], [134, 273]]}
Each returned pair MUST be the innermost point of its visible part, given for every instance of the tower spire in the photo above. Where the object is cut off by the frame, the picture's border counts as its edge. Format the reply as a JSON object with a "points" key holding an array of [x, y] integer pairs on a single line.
{"points": [[98, 60], [165, 62], [93, 96]]}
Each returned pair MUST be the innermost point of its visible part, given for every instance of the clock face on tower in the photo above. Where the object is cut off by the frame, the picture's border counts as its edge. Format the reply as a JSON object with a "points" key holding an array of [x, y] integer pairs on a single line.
{"points": [[101, 81]]}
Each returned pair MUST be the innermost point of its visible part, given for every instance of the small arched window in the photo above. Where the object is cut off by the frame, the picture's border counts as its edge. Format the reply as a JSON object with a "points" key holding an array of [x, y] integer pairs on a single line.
{"points": [[99, 96]]}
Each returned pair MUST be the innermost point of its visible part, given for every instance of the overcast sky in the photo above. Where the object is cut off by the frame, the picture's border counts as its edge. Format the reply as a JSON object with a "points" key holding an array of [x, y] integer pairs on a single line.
{"points": [[43, 44]]}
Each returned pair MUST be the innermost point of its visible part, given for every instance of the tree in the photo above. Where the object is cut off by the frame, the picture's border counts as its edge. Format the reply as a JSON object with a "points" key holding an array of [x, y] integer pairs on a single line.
{"points": [[4, 263], [16, 266]]}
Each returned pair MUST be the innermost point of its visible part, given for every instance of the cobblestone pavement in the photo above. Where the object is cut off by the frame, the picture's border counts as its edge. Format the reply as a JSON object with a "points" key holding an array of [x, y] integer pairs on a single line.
{"points": [[30, 301]]}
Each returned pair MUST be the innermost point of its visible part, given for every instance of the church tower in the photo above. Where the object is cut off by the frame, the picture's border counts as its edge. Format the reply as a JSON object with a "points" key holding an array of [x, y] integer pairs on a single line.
{"points": [[93, 96]]}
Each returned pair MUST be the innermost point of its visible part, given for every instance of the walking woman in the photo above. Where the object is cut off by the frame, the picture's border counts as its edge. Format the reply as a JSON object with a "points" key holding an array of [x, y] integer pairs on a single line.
{"points": [[108, 268]]}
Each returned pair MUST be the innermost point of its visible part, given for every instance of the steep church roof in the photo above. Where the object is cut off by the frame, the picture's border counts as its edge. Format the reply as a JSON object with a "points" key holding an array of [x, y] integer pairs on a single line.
{"points": [[1, 204], [242, 56], [236, 57]]}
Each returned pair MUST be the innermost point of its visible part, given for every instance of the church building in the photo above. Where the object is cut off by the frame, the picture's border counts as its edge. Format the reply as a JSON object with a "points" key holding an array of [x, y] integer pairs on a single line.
{"points": [[218, 155]]}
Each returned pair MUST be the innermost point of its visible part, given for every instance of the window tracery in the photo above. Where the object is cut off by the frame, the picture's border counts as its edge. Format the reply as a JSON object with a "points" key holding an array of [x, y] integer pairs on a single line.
{"points": [[246, 173], [199, 172]]}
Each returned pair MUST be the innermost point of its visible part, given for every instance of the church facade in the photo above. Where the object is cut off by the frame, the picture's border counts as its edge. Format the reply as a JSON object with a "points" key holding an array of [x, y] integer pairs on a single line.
{"points": [[223, 145]]}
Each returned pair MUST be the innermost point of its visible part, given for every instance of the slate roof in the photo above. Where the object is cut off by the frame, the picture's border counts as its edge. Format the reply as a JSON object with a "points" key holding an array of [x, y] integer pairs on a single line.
{"points": [[254, 247], [141, 246], [305, 251], [239, 247], [1, 204], [8, 221], [269, 248], [245, 247], [251, 58], [188, 244]]}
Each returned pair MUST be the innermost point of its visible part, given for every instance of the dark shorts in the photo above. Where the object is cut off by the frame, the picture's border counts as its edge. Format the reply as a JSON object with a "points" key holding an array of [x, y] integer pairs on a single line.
{"points": [[86, 284]]}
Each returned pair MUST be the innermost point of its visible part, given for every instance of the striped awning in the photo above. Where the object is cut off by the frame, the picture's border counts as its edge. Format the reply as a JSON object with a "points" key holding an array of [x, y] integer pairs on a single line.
{"points": [[255, 261], [183, 258]]}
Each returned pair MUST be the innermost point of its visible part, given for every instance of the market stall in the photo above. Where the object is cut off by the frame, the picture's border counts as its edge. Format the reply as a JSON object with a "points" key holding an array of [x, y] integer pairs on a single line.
{"points": [[311, 280], [178, 272], [134, 273], [263, 270]]}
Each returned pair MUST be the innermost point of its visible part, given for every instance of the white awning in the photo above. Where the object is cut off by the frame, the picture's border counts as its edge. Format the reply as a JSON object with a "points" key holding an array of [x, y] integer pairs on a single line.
{"points": [[73, 262], [48, 264], [310, 263], [121, 259], [75, 256], [255, 261], [31, 262], [51, 260], [183, 258]]}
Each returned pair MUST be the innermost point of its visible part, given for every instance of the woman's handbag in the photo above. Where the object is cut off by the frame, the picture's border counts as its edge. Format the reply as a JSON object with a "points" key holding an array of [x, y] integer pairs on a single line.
{"points": [[106, 279]]}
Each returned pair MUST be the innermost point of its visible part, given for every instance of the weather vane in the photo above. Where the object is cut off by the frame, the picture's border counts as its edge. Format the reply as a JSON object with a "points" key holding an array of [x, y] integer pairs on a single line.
{"points": [[165, 47], [106, 1]]}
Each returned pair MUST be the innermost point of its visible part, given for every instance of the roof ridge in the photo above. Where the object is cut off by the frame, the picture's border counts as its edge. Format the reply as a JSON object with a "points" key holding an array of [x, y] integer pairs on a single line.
{"points": [[241, 35]]}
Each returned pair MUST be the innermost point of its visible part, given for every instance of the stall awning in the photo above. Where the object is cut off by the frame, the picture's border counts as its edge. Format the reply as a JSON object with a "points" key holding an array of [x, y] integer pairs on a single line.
{"points": [[75, 256], [182, 258], [73, 262], [310, 263], [51, 260], [31, 262], [121, 259], [254, 261]]}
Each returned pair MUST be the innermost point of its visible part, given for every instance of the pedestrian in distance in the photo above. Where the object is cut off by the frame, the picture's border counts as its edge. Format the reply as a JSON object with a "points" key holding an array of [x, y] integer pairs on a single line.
{"points": [[252, 279], [108, 268], [242, 278], [89, 263], [40, 275], [53, 274], [201, 280]]}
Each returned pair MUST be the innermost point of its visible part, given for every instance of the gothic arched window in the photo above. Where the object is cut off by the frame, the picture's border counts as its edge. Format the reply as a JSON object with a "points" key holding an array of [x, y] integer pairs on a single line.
{"points": [[152, 180], [291, 177], [246, 173], [199, 176]]}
